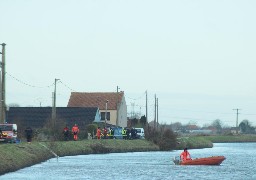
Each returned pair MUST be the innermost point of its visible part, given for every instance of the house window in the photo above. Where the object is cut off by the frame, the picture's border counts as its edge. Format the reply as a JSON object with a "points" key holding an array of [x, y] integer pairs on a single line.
{"points": [[102, 114]]}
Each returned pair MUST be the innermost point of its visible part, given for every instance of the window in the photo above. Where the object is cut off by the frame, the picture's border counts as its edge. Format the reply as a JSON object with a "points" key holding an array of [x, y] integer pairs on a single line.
{"points": [[102, 114], [6, 127]]}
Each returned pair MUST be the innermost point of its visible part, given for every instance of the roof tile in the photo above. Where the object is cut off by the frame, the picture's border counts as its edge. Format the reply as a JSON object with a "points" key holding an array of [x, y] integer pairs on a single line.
{"points": [[95, 99]]}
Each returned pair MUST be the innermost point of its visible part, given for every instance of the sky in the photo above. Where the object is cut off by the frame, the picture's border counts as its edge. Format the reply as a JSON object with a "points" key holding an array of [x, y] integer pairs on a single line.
{"points": [[197, 57]]}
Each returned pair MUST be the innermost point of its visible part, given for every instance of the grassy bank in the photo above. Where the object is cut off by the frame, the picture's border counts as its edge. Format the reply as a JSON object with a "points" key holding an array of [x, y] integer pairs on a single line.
{"points": [[231, 138], [17, 156], [196, 142]]}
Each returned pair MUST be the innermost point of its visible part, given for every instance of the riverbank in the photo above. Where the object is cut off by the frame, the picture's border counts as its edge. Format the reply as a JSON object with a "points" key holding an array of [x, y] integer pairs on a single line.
{"points": [[231, 138], [17, 156], [193, 142], [197, 142]]}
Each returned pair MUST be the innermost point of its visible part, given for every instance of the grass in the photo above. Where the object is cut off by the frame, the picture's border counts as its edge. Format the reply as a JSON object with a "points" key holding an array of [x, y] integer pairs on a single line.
{"points": [[231, 138], [196, 142], [17, 156]]}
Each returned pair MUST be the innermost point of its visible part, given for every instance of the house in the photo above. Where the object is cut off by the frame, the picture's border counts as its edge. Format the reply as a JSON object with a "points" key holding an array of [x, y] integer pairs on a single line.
{"points": [[112, 105], [38, 117]]}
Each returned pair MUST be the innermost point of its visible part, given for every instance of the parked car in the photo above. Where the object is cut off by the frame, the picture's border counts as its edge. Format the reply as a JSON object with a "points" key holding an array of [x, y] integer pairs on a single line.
{"points": [[140, 133]]}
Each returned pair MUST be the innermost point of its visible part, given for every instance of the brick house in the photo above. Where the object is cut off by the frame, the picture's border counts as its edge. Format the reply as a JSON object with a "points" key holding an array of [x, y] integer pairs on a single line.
{"points": [[112, 105]]}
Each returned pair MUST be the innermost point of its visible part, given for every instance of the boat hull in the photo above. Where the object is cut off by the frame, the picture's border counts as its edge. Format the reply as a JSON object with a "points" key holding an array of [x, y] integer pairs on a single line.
{"points": [[214, 160]]}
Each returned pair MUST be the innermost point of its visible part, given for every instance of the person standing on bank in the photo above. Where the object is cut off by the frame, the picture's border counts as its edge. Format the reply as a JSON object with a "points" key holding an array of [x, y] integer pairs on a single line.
{"points": [[75, 131], [105, 132], [66, 133], [98, 133], [29, 134]]}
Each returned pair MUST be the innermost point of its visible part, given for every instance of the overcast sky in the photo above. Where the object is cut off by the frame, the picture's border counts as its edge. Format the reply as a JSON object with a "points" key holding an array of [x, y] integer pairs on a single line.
{"points": [[197, 56]]}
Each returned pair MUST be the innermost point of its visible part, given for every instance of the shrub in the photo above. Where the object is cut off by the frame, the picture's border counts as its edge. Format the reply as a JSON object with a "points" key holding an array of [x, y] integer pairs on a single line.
{"points": [[164, 138], [168, 141]]}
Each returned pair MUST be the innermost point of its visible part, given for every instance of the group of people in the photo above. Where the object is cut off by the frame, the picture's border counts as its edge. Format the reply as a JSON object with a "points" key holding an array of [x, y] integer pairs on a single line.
{"points": [[105, 133], [129, 133], [112, 132], [75, 130]]}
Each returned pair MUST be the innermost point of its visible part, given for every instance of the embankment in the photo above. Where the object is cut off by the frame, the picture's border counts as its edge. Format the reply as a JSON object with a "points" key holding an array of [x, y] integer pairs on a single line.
{"points": [[231, 138], [193, 142], [17, 156], [196, 142]]}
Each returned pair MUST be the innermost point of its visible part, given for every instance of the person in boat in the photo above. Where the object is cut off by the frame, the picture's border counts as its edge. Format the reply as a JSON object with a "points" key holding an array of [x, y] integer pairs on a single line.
{"points": [[185, 155]]}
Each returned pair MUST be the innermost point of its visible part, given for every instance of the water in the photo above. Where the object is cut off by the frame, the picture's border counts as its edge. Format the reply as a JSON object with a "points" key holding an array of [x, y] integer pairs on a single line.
{"points": [[239, 164]]}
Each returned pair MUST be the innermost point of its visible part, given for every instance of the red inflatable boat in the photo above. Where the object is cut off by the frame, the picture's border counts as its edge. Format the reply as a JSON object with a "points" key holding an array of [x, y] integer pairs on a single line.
{"points": [[214, 160]]}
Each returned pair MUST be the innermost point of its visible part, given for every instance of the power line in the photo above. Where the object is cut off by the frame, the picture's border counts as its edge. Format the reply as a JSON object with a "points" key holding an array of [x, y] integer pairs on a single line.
{"points": [[22, 82], [140, 97], [67, 86]]}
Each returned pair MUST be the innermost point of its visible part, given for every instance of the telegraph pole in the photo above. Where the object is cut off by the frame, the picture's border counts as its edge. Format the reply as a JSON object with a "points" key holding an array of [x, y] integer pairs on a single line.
{"points": [[157, 113], [117, 114], [106, 111], [54, 103], [146, 106], [237, 119], [3, 104]]}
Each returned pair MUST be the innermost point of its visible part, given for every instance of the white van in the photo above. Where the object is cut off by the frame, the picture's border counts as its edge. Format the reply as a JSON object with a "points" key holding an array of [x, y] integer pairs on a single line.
{"points": [[140, 133]]}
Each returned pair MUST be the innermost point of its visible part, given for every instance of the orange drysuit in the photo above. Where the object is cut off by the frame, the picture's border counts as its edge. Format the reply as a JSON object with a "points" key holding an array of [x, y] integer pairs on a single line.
{"points": [[185, 155], [98, 133], [75, 131]]}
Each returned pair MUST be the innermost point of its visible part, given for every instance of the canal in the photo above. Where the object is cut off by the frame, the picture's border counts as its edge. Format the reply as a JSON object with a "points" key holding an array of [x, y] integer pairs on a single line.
{"points": [[239, 164]]}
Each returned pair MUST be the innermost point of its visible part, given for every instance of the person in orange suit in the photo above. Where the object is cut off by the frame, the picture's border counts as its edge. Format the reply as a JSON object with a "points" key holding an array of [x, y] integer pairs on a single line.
{"points": [[75, 131], [184, 156], [98, 133]]}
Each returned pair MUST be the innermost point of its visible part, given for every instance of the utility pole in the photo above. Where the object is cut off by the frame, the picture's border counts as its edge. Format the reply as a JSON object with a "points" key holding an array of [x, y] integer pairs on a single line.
{"points": [[147, 110], [146, 106], [117, 114], [237, 119], [3, 103], [157, 113], [54, 103], [106, 110]]}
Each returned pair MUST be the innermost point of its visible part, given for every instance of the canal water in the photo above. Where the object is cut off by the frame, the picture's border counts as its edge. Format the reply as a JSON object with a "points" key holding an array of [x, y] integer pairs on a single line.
{"points": [[240, 164]]}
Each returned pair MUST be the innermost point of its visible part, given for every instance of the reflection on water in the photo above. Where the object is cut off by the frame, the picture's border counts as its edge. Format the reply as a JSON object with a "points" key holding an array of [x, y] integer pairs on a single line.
{"points": [[146, 165]]}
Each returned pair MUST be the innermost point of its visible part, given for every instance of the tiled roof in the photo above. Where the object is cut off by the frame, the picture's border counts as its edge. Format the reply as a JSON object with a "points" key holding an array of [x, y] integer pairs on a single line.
{"points": [[95, 99], [37, 117]]}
